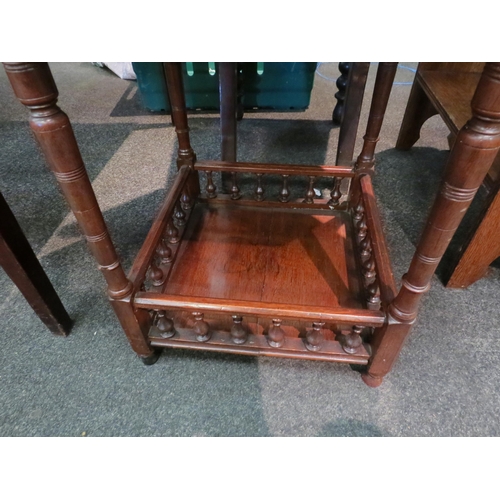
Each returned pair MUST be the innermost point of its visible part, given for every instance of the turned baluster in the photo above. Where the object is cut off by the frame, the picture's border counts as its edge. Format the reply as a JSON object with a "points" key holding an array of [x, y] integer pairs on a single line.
{"points": [[368, 270], [238, 333], [373, 296], [210, 188], [259, 191], [164, 252], [351, 342], [310, 191], [359, 212], [476, 146], [365, 247], [34, 86], [362, 229], [276, 335], [284, 193], [201, 328], [235, 190], [186, 201], [172, 233], [335, 193], [156, 275], [314, 337], [164, 325], [179, 216]]}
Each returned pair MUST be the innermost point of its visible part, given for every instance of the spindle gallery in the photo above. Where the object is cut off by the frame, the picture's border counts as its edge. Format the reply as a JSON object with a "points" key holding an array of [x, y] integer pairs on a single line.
{"points": [[268, 271]]}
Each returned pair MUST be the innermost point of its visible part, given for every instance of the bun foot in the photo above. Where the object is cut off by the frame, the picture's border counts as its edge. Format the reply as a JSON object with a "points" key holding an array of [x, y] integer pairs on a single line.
{"points": [[151, 359], [371, 381]]}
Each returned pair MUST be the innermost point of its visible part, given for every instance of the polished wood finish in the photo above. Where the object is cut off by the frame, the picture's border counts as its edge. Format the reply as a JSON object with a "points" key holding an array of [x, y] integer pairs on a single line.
{"points": [[268, 277], [348, 132], [473, 153], [482, 246], [447, 89], [228, 105], [35, 88], [21, 265]]}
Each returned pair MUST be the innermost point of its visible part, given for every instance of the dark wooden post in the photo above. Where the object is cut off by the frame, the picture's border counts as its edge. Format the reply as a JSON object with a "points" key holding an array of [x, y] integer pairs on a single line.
{"points": [[20, 263], [35, 88], [228, 103], [475, 148]]}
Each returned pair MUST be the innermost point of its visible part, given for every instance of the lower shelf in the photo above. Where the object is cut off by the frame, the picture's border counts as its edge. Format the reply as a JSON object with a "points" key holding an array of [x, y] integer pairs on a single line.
{"points": [[257, 345]]}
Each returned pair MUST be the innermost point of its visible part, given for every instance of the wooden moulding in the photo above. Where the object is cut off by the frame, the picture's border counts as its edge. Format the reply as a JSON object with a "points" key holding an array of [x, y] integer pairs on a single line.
{"points": [[257, 345], [141, 263], [379, 245], [362, 317], [265, 168]]}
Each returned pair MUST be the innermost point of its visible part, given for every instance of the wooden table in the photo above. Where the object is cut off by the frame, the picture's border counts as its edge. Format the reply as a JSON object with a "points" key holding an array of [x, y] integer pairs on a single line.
{"points": [[265, 274]]}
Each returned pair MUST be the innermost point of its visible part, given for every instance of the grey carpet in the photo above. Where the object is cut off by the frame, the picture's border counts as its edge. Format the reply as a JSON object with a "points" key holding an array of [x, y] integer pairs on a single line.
{"points": [[445, 382]]}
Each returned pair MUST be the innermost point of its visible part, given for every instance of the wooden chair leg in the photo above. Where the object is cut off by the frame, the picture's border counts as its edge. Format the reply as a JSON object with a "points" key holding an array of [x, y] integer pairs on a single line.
{"points": [[475, 149], [21, 265], [481, 248], [351, 112], [418, 110], [35, 88]]}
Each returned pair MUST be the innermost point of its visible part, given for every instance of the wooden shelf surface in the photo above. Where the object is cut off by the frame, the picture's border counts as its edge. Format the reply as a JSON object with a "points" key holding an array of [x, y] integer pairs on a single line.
{"points": [[302, 257]]}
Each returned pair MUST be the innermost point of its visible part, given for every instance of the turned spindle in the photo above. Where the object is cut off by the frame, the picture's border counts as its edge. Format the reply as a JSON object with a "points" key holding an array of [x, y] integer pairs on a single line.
{"points": [[314, 337], [164, 325], [362, 229], [373, 297], [201, 328], [235, 190], [276, 335], [238, 333], [172, 233], [179, 216], [351, 342], [210, 188], [156, 275], [335, 193], [164, 253], [365, 246], [284, 193], [259, 191], [310, 191], [368, 270], [185, 201], [359, 213]]}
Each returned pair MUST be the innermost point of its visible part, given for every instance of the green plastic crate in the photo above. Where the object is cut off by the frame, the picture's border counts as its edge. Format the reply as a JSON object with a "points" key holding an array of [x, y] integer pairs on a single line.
{"points": [[278, 85]]}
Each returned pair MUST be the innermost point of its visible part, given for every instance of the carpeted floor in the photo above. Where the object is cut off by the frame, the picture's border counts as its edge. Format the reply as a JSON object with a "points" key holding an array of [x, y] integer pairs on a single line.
{"points": [[445, 383]]}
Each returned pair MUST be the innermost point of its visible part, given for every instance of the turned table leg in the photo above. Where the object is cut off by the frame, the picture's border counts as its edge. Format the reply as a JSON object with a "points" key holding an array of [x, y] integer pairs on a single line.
{"points": [[35, 88], [474, 151]]}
